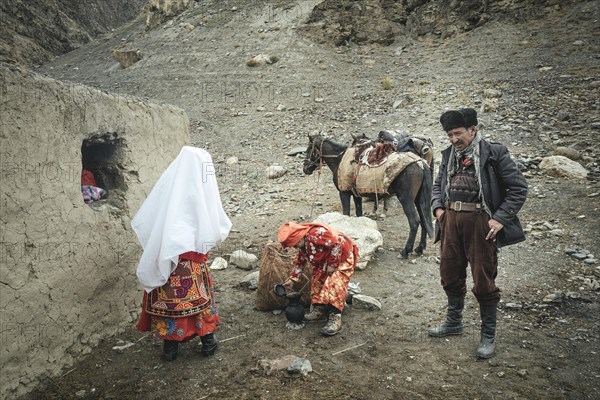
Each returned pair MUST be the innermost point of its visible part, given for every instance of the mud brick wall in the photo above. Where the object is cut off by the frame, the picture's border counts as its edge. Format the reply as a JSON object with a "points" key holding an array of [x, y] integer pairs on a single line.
{"points": [[67, 269]]}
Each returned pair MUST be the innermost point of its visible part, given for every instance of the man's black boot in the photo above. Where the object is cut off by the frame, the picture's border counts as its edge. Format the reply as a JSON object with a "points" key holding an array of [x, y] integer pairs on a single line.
{"points": [[453, 324], [487, 342]]}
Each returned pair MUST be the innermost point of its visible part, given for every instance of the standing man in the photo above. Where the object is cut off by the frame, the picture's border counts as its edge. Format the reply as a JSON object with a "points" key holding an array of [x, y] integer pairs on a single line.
{"points": [[476, 197]]}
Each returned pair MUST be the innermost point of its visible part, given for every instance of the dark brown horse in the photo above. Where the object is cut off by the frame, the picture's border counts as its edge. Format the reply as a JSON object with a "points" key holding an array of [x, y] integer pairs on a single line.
{"points": [[412, 188]]}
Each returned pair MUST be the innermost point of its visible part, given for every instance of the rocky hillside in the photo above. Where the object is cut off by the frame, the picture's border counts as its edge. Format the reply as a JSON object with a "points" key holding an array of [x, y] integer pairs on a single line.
{"points": [[33, 31], [347, 21]]}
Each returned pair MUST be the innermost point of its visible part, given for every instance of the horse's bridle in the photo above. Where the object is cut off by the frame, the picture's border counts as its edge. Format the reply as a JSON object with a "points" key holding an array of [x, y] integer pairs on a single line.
{"points": [[313, 150], [318, 152]]}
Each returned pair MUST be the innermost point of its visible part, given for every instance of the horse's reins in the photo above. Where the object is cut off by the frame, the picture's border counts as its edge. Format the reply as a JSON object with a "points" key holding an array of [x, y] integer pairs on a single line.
{"points": [[320, 154]]}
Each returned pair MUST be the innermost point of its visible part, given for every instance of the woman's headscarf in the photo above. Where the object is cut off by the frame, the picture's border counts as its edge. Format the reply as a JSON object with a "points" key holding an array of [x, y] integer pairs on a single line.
{"points": [[291, 232], [182, 213]]}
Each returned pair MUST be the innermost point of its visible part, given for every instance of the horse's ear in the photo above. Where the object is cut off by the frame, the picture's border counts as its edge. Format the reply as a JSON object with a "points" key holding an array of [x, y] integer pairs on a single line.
{"points": [[353, 136], [311, 137]]}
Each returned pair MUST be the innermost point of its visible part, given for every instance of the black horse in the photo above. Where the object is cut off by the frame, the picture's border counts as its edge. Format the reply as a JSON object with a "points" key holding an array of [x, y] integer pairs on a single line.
{"points": [[412, 188]]}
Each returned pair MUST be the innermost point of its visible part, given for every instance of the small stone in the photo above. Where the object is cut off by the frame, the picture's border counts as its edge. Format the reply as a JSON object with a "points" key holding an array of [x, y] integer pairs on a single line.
{"points": [[319, 100], [568, 152], [579, 256], [218, 263], [296, 151], [590, 261], [275, 171], [513, 306], [522, 372], [492, 93], [554, 298], [121, 347], [301, 366], [501, 374], [260, 59], [578, 43], [361, 301], [232, 160], [250, 281], [243, 260], [408, 379], [271, 366], [281, 107]]}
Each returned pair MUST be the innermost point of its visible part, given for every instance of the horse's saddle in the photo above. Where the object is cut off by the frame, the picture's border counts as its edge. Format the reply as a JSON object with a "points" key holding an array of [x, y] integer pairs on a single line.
{"points": [[373, 176], [373, 154]]}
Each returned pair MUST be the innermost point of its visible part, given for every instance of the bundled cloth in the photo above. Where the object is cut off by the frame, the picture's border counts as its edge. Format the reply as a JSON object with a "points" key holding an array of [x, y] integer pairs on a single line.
{"points": [[92, 193]]}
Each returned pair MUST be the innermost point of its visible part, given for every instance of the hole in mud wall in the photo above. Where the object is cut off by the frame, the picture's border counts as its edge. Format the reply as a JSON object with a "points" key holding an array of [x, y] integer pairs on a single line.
{"points": [[102, 178]]}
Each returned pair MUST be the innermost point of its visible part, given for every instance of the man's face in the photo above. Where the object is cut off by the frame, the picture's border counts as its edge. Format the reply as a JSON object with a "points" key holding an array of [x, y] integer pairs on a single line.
{"points": [[461, 137]]}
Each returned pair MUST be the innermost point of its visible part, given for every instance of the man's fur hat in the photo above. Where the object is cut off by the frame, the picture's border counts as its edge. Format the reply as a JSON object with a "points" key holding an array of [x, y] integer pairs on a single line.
{"points": [[463, 118]]}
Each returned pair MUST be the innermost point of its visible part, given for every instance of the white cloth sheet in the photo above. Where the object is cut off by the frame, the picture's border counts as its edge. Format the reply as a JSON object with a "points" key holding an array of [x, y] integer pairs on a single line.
{"points": [[182, 213]]}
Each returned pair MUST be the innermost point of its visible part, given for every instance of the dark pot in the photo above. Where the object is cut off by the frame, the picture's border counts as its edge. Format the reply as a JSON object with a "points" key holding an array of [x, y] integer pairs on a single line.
{"points": [[294, 312], [280, 290]]}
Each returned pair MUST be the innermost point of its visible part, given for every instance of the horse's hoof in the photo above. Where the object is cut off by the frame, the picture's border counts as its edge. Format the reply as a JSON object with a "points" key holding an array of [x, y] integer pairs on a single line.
{"points": [[404, 254], [419, 251]]}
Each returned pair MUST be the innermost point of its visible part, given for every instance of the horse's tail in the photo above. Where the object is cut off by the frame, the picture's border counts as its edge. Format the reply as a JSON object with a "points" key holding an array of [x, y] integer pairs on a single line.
{"points": [[424, 202]]}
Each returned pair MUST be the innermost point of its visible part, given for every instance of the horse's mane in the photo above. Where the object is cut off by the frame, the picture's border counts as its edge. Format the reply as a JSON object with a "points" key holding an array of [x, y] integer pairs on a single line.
{"points": [[337, 146]]}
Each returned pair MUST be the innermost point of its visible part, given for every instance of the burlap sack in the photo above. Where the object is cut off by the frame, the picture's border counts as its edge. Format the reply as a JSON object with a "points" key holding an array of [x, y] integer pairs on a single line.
{"points": [[275, 266], [347, 170], [378, 179]]}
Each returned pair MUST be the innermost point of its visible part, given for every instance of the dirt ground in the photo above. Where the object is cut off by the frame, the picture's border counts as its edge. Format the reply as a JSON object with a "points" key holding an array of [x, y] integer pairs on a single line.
{"points": [[549, 318]]}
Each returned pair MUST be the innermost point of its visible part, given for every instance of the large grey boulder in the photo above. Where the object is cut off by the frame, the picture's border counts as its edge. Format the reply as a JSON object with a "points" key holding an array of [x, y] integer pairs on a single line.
{"points": [[563, 167]]}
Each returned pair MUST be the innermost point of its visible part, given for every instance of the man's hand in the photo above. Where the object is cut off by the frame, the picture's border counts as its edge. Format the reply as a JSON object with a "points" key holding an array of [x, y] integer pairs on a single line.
{"points": [[495, 227], [438, 213]]}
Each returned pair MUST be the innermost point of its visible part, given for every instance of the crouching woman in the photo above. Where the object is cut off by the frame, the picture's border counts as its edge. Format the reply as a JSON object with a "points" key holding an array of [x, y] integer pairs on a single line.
{"points": [[333, 258]]}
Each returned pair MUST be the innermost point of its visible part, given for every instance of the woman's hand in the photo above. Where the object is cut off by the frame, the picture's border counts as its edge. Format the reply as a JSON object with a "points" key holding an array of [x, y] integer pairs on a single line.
{"points": [[288, 285]]}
